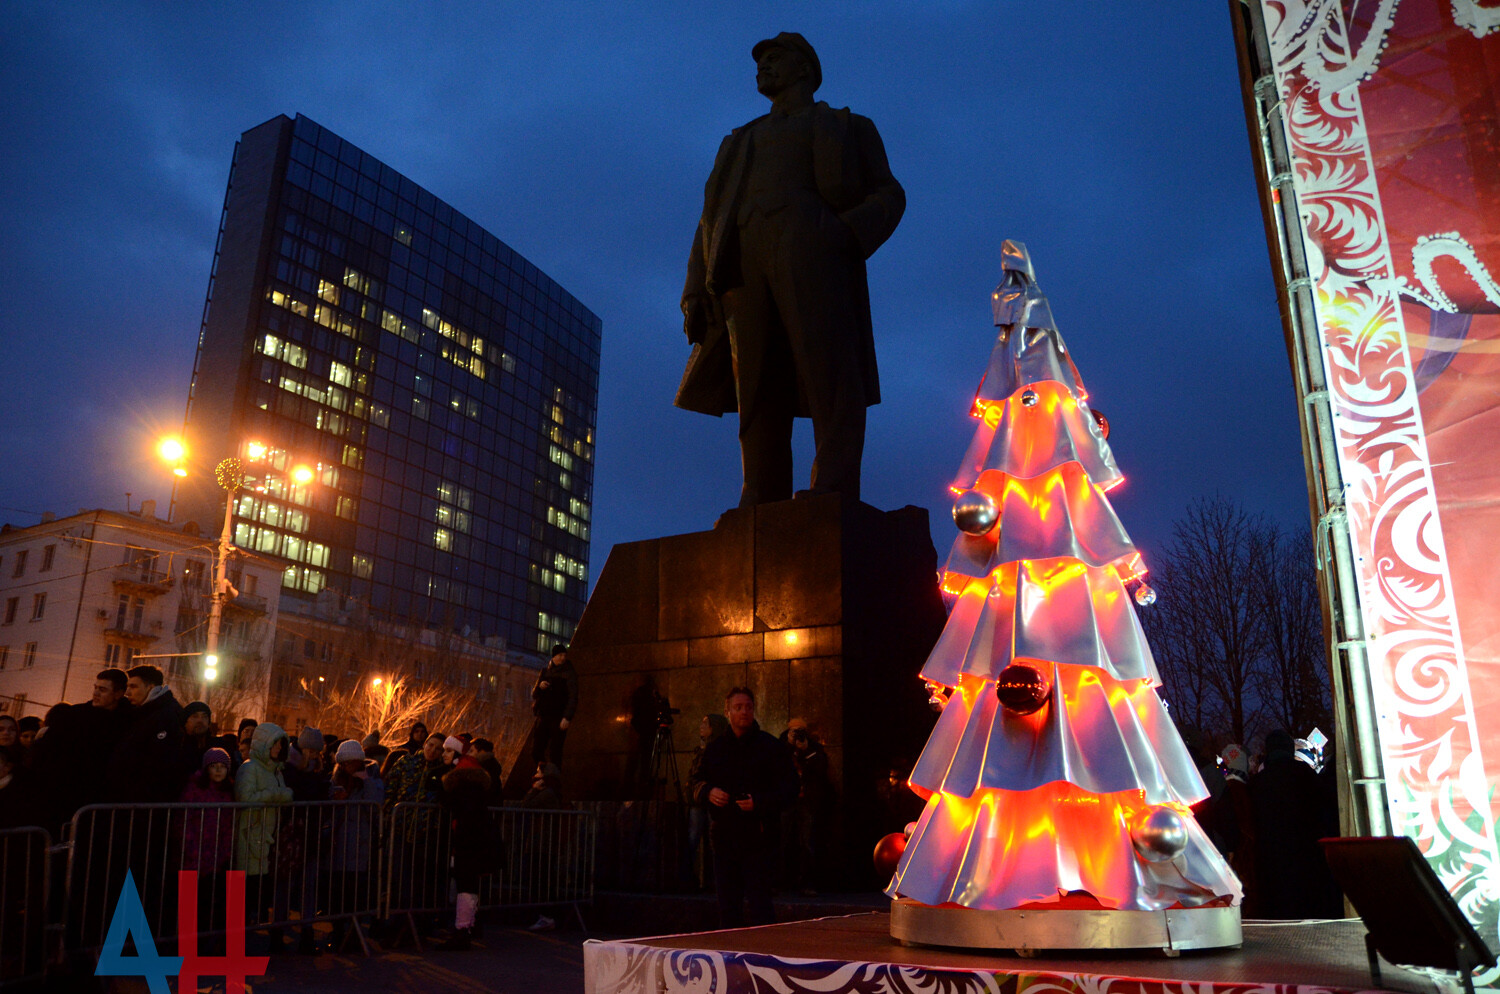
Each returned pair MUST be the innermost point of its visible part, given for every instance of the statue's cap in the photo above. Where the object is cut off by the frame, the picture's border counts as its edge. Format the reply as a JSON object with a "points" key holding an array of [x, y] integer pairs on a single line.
{"points": [[797, 43]]}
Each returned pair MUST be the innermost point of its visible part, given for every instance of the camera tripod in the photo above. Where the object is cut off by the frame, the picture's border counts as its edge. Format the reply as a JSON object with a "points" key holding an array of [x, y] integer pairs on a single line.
{"points": [[664, 765]]}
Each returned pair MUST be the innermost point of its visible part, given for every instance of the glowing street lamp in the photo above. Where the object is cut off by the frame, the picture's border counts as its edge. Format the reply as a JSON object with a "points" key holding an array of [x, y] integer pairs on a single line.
{"points": [[230, 476]]}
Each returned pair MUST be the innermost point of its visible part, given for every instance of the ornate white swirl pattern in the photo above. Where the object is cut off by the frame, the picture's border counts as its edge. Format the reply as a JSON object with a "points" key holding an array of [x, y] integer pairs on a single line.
{"points": [[1429, 740], [632, 968], [1476, 19], [1430, 248]]}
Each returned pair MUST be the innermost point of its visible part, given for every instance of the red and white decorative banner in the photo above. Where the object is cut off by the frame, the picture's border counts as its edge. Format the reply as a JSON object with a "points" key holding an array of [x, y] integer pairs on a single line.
{"points": [[1390, 111]]}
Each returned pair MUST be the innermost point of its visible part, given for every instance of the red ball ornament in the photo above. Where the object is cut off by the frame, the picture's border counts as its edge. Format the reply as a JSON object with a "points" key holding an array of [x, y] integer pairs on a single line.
{"points": [[888, 853], [1022, 689], [1101, 421]]}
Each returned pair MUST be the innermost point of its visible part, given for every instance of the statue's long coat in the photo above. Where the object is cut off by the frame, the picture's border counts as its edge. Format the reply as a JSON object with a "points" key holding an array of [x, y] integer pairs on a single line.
{"points": [[855, 180]]}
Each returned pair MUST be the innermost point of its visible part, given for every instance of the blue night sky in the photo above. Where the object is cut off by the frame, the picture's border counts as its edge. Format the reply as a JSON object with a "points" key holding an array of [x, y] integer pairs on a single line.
{"points": [[1110, 138]]}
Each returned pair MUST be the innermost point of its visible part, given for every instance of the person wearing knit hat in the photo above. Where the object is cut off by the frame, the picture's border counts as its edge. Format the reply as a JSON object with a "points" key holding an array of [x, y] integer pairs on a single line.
{"points": [[370, 741], [205, 835], [453, 748], [1236, 762], [197, 728], [309, 741], [353, 832]]}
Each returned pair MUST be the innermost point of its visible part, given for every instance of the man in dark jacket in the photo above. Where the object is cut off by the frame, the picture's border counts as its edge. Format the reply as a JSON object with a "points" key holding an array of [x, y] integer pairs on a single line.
{"points": [[145, 769], [69, 761], [554, 700], [484, 754], [146, 762], [746, 778], [415, 738], [197, 723], [1291, 876]]}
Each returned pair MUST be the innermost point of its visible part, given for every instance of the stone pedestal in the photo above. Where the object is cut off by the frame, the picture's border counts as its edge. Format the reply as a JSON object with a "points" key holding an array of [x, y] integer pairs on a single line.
{"points": [[827, 611]]}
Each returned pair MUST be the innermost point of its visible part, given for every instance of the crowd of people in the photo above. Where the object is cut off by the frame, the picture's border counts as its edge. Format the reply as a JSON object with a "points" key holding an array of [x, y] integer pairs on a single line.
{"points": [[133, 743], [759, 817]]}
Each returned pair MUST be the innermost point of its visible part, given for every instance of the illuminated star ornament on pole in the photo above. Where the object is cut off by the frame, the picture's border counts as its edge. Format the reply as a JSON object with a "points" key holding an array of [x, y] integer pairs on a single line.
{"points": [[1058, 790]]}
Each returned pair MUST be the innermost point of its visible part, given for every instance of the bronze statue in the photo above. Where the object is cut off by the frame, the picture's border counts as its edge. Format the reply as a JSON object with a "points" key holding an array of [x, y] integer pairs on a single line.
{"points": [[776, 305]]}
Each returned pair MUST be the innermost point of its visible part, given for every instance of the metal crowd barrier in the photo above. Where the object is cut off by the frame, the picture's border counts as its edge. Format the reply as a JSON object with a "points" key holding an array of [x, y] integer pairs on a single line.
{"points": [[23, 904], [304, 862], [548, 859], [541, 859]]}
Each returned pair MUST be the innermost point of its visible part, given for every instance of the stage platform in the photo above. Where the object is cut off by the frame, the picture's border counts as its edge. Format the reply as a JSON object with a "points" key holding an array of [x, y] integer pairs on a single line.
{"points": [[855, 954]]}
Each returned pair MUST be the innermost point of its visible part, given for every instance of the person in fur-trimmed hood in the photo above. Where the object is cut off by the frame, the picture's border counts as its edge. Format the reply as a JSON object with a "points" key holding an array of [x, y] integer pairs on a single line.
{"points": [[466, 790]]}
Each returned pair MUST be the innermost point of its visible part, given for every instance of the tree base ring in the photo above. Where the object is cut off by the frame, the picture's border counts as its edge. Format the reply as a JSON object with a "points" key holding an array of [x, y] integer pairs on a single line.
{"points": [[1033, 929]]}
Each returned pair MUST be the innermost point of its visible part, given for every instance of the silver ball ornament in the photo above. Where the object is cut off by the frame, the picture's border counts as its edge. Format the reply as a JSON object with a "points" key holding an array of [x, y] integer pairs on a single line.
{"points": [[1159, 835], [1145, 595], [975, 512], [1028, 397]]}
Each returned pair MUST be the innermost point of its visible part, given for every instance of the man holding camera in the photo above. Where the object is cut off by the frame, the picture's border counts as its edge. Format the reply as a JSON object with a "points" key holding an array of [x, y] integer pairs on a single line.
{"points": [[746, 778]]}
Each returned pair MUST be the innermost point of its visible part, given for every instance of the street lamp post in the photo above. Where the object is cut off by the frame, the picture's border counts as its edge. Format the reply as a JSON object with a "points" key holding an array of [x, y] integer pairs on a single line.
{"points": [[229, 474], [231, 477]]}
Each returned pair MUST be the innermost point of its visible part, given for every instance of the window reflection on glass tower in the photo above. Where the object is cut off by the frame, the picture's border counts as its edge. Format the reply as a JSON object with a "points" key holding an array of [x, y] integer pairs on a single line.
{"points": [[443, 387]]}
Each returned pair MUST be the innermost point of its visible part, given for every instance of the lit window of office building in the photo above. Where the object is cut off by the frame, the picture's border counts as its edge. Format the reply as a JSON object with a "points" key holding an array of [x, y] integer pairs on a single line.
{"points": [[442, 389]]}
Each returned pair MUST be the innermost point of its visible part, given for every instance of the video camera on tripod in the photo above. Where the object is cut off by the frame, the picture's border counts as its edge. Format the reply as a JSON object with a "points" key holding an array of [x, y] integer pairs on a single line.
{"points": [[664, 710]]}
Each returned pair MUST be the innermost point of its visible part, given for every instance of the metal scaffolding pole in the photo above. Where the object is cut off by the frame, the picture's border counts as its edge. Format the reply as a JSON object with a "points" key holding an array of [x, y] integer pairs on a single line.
{"points": [[1361, 772]]}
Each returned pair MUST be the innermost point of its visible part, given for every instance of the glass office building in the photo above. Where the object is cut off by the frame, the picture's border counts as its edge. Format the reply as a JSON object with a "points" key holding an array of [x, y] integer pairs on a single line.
{"points": [[441, 386]]}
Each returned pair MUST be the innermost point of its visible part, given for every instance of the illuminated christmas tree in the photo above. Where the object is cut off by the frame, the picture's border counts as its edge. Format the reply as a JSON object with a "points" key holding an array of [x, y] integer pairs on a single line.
{"points": [[1054, 778]]}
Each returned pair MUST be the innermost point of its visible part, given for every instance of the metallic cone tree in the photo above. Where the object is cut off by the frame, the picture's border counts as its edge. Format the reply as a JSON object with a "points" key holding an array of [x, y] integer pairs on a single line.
{"points": [[1054, 777]]}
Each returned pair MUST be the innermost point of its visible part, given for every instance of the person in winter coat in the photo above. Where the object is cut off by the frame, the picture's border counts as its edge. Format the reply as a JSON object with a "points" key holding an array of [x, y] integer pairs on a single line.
{"points": [[417, 780], [1292, 880], [146, 765], [546, 790], [145, 768], [805, 822], [747, 778], [418, 777], [197, 724], [206, 834], [713, 726], [1236, 816], [71, 759], [466, 789], [21, 801], [302, 839], [554, 700], [483, 750], [355, 780], [23, 857], [259, 781]]}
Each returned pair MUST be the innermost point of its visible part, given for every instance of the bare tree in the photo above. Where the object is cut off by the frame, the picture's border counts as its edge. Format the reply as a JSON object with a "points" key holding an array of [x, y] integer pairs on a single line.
{"points": [[1293, 678], [1169, 629], [1208, 625], [391, 704]]}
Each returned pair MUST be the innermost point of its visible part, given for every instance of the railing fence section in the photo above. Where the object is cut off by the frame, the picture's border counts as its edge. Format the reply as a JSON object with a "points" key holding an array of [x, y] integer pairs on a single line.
{"points": [[345, 862], [23, 904]]}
